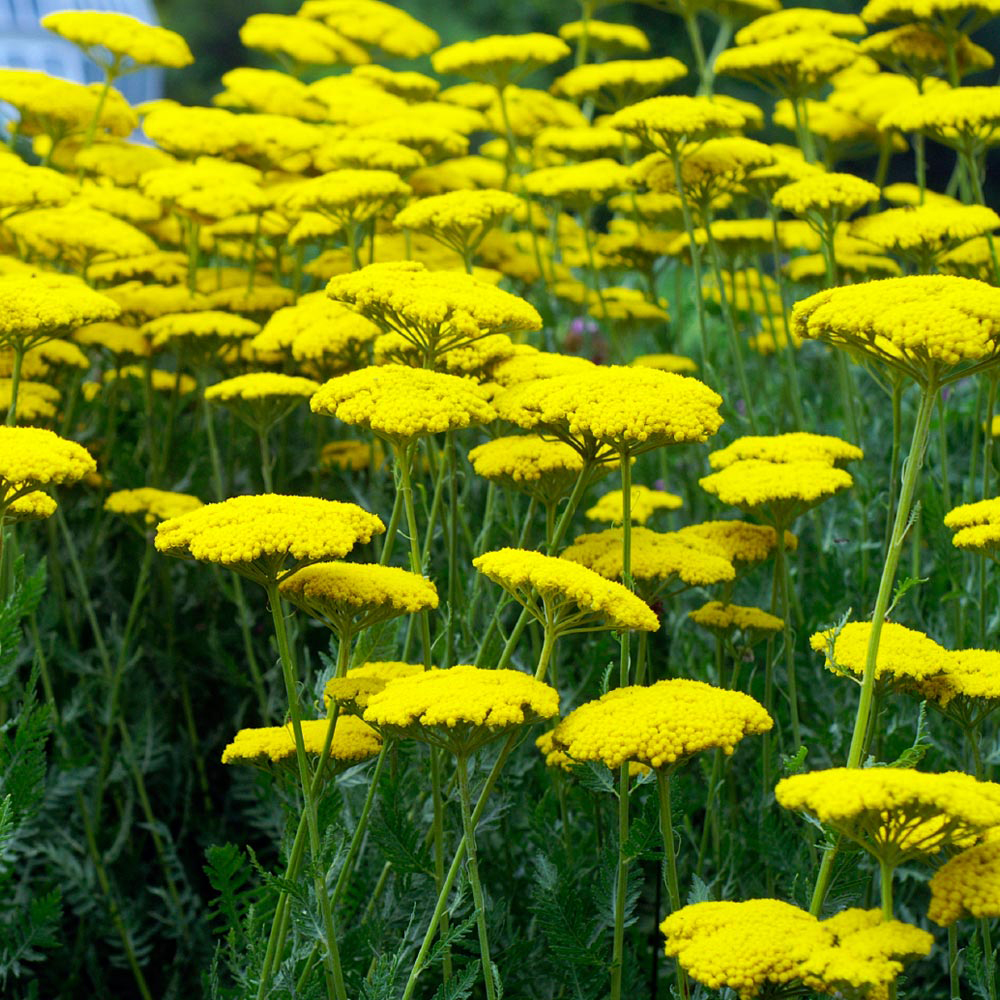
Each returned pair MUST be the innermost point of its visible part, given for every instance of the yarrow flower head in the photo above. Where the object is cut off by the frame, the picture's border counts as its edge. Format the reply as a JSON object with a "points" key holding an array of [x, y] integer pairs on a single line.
{"points": [[268, 537], [967, 884], [778, 491], [572, 597], [353, 691], [665, 123], [904, 655], [620, 83], [728, 618], [630, 410], [660, 725], [150, 506], [461, 708], [32, 458], [260, 399], [353, 741], [895, 814], [659, 561], [758, 943], [531, 464], [435, 310], [118, 40], [459, 219], [926, 327], [976, 526], [742, 542], [644, 504], [34, 309], [400, 403], [349, 597], [500, 59], [798, 446]]}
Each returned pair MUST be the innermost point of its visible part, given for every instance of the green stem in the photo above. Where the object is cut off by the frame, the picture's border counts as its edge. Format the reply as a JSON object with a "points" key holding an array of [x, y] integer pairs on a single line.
{"points": [[626, 635], [989, 957], [911, 476], [15, 381], [781, 571], [266, 459], [954, 983], [469, 830], [699, 302], [546, 654], [670, 880], [99, 107], [727, 315], [698, 49], [621, 887], [456, 864], [331, 959]]}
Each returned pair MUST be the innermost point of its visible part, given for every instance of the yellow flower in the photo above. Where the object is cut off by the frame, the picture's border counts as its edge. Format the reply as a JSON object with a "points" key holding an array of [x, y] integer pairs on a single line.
{"points": [[205, 190], [348, 196], [300, 41], [374, 23], [781, 490], [30, 507], [920, 325], [32, 458], [541, 468], [500, 59], [435, 310], [632, 409], [400, 403], [615, 85], [409, 85], [349, 597], [798, 446], [38, 308], [788, 22], [118, 40], [894, 813], [259, 536], [164, 266], [725, 618], [666, 363], [206, 328], [605, 37], [967, 884], [825, 194], [965, 116], [644, 504], [573, 597], [903, 654], [460, 219], [578, 184], [657, 559], [373, 154], [260, 399], [664, 123], [923, 233], [743, 543], [151, 505], [350, 456], [121, 162], [58, 109], [356, 688], [461, 708], [530, 364], [23, 186], [353, 741], [476, 359], [944, 14], [976, 525], [760, 942], [78, 233], [792, 64], [921, 52], [968, 687], [660, 725], [162, 381]]}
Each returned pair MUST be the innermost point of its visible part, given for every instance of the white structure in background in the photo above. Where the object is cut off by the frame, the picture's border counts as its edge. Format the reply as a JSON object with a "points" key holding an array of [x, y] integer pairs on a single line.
{"points": [[25, 44]]}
